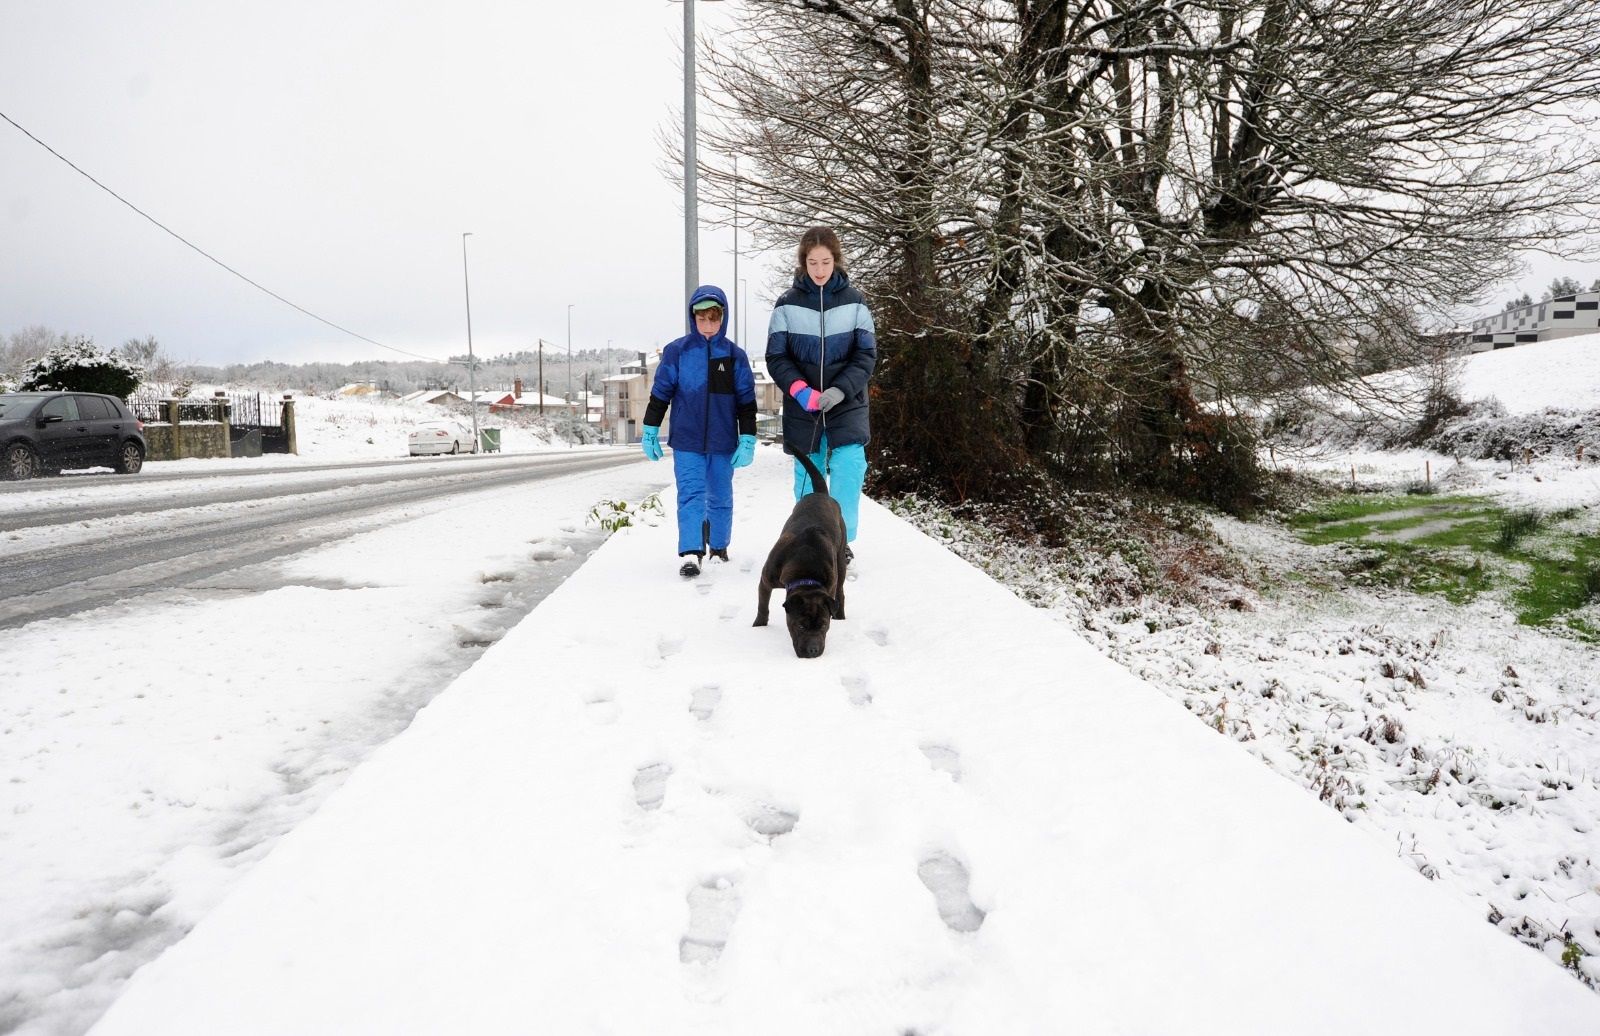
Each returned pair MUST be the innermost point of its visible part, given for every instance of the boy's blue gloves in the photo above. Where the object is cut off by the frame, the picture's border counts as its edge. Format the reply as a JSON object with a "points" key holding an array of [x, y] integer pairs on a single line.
{"points": [[746, 451], [650, 443]]}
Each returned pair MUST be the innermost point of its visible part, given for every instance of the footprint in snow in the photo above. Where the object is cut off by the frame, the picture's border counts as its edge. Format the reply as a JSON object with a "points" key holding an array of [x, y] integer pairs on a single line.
{"points": [[703, 588], [728, 613], [879, 636], [947, 878], [669, 646], [547, 552], [856, 686], [601, 708], [945, 758], [770, 821], [650, 785], [746, 564], [704, 701], [713, 906]]}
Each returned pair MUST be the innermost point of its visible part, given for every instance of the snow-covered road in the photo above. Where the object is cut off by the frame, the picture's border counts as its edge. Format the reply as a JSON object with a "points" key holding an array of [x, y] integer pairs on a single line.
{"points": [[153, 747], [112, 541]]}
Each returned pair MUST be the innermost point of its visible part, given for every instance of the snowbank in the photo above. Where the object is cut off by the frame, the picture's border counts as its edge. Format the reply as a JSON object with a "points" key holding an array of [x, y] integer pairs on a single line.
{"points": [[545, 853]]}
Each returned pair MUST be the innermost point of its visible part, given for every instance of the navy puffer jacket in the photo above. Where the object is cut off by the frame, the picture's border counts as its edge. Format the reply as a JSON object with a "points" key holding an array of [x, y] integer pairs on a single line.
{"points": [[708, 384], [824, 338]]}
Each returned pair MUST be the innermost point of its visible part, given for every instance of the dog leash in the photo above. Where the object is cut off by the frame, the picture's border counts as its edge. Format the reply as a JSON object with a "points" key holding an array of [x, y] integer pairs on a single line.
{"points": [[816, 435]]}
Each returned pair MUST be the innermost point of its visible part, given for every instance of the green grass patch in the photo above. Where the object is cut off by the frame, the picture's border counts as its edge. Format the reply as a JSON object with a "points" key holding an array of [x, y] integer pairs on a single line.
{"points": [[1557, 585], [1460, 547], [1515, 526]]}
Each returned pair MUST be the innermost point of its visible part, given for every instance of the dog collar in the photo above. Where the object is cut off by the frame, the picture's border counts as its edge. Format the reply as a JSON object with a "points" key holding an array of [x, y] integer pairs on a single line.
{"points": [[790, 587]]}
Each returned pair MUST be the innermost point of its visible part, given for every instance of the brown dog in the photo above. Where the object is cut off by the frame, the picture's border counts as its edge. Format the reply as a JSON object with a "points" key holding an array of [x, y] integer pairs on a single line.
{"points": [[808, 561]]}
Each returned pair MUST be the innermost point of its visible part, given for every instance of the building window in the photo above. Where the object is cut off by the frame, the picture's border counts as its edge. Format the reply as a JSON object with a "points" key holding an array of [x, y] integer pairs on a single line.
{"points": [[1563, 314]]}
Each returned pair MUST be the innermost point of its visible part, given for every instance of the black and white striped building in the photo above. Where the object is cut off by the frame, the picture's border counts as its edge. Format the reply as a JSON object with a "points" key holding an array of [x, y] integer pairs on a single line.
{"points": [[1561, 317]]}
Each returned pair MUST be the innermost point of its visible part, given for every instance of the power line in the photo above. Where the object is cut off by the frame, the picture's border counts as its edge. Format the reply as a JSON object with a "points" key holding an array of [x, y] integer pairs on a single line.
{"points": [[208, 255]]}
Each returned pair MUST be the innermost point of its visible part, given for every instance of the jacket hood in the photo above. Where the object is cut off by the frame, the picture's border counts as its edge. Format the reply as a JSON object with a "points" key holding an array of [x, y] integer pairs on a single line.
{"points": [[708, 291], [835, 284]]}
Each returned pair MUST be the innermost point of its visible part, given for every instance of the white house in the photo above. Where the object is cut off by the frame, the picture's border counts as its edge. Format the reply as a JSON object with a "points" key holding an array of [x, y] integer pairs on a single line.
{"points": [[1561, 317]]}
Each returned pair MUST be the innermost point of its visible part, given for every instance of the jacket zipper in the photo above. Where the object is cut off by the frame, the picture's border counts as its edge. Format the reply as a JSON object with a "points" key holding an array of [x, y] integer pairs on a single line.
{"points": [[822, 368], [822, 345]]}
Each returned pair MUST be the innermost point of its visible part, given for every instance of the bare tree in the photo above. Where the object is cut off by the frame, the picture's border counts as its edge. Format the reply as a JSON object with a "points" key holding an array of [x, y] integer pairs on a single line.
{"points": [[1085, 204]]}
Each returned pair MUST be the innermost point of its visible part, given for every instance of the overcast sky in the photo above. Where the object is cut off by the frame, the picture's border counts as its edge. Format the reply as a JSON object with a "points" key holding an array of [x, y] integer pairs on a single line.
{"points": [[334, 152]]}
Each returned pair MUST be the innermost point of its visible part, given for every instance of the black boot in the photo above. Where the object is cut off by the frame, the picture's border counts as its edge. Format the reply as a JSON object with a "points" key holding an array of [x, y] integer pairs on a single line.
{"points": [[719, 553], [690, 567]]}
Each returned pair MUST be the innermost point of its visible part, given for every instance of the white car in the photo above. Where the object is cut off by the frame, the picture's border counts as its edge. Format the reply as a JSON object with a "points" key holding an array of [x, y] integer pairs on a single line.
{"points": [[441, 437]]}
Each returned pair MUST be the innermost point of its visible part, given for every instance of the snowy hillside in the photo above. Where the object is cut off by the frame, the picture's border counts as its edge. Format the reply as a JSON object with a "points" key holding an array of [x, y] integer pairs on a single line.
{"points": [[962, 819], [1529, 377]]}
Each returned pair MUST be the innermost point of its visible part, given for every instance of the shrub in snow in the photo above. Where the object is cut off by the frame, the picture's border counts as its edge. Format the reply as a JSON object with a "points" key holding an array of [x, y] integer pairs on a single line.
{"points": [[79, 366], [1494, 436], [612, 515]]}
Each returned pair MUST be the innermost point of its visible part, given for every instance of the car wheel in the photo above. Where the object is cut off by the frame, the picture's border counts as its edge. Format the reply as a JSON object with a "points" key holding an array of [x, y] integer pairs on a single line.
{"points": [[455, 446], [19, 462], [129, 459]]}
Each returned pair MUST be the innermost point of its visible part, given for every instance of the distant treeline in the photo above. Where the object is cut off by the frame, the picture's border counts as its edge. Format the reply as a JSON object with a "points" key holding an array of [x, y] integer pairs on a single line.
{"points": [[402, 376]]}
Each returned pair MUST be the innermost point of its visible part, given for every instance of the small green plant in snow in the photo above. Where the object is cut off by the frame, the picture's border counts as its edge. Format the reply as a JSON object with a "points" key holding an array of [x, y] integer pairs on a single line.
{"points": [[612, 515]]}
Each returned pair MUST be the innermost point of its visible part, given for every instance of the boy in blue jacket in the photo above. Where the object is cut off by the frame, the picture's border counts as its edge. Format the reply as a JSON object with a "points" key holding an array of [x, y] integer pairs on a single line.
{"points": [[706, 380]]}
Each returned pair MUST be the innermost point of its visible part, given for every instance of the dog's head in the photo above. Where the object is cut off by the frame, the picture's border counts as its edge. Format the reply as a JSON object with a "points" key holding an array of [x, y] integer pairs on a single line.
{"points": [[808, 613]]}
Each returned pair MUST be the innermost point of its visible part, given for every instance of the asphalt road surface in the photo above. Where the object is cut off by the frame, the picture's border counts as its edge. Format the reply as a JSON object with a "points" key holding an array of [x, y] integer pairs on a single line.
{"points": [[158, 531]]}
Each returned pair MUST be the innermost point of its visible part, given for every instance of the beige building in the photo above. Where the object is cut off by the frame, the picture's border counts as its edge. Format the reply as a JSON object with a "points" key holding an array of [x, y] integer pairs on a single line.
{"points": [[627, 394]]}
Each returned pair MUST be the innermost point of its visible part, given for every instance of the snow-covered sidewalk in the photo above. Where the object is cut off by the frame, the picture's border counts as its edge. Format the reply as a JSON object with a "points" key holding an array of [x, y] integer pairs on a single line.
{"points": [[961, 819]]}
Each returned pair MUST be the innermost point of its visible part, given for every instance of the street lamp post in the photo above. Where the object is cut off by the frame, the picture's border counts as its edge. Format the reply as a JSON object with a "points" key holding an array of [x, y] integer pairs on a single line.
{"points": [[569, 353], [472, 363], [691, 186], [739, 287], [738, 307]]}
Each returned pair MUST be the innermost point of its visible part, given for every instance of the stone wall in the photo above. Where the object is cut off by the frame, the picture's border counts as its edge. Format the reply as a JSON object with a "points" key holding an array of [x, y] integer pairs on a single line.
{"points": [[194, 439]]}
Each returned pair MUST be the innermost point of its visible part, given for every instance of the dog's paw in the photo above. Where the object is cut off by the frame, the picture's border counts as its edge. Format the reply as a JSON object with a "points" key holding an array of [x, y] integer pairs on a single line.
{"points": [[946, 877]]}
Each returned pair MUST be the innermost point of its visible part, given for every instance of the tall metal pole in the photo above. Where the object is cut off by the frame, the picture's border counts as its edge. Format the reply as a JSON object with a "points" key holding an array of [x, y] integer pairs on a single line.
{"points": [[738, 310], [569, 353], [691, 186], [472, 363]]}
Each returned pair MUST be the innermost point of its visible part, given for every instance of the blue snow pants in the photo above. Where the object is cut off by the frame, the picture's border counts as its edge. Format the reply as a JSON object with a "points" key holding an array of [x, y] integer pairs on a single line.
{"points": [[845, 472], [705, 494]]}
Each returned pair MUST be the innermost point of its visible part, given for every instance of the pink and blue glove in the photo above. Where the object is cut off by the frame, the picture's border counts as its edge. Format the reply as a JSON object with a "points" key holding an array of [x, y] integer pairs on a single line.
{"points": [[806, 396], [650, 442], [746, 451]]}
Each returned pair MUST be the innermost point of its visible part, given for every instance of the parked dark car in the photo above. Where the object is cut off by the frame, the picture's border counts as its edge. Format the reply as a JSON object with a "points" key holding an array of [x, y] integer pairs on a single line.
{"points": [[43, 432]]}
